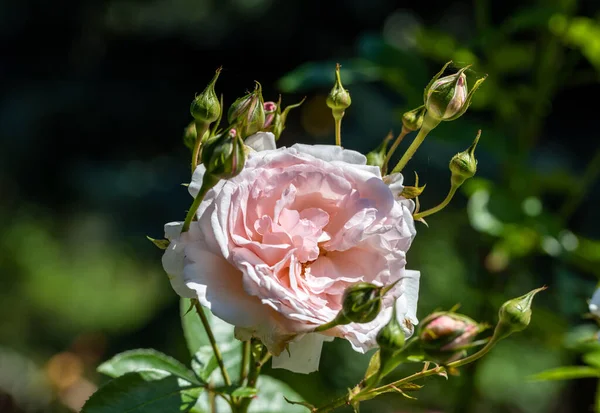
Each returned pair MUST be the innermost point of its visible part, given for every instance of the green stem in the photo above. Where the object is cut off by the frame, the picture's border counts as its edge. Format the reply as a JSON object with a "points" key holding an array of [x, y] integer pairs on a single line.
{"points": [[359, 393], [438, 207], [255, 367], [207, 183], [388, 156], [338, 128], [429, 124], [201, 128], [245, 357], [213, 343]]}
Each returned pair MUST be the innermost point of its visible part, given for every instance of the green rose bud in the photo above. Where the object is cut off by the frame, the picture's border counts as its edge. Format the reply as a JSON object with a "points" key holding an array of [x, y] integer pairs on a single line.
{"points": [[248, 112], [224, 155], [280, 117], [447, 98], [205, 107], [515, 314], [339, 98], [413, 119], [463, 165], [377, 156], [361, 303], [391, 337]]}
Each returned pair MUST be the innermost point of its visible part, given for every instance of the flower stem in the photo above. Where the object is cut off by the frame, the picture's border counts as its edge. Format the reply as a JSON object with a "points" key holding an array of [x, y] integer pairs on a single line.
{"points": [[338, 127], [438, 207], [393, 148], [245, 357], [213, 342], [360, 393], [207, 183], [201, 128], [256, 364], [429, 124]]}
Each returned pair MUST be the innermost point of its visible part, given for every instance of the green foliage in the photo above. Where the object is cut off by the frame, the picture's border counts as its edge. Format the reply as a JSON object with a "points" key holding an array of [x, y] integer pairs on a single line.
{"points": [[145, 359], [144, 392], [568, 373]]}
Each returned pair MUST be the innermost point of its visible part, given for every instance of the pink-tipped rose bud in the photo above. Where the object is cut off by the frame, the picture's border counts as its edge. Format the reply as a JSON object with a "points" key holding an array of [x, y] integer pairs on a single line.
{"points": [[444, 335], [270, 111], [447, 98]]}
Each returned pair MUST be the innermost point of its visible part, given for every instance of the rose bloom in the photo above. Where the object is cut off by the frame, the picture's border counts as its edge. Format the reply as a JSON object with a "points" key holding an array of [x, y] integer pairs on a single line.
{"points": [[275, 247]]}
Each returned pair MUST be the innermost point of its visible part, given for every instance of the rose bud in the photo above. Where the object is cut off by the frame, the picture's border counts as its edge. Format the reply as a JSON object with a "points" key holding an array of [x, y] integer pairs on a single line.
{"points": [[360, 304], [339, 98], [280, 117], [248, 112], [463, 165], [444, 335], [377, 156], [205, 107], [391, 337], [413, 119], [189, 135], [270, 110], [224, 155], [515, 314], [448, 98]]}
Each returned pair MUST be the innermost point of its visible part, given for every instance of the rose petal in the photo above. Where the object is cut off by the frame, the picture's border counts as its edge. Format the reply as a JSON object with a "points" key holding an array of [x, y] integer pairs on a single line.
{"points": [[303, 356], [331, 153], [261, 141]]}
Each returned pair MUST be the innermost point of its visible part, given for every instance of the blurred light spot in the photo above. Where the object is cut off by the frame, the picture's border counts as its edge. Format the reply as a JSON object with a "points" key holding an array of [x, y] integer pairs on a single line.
{"points": [[64, 369], [568, 240], [400, 29], [497, 260], [532, 206], [481, 219], [551, 246]]}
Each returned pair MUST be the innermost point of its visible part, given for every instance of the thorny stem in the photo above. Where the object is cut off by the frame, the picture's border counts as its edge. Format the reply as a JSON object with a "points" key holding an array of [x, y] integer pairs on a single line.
{"points": [[359, 393], [393, 148], [213, 342], [255, 367], [438, 207], [429, 124]]}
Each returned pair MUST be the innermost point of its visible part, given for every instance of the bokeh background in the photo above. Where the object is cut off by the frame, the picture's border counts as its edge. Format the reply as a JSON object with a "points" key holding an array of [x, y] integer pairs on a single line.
{"points": [[95, 98]]}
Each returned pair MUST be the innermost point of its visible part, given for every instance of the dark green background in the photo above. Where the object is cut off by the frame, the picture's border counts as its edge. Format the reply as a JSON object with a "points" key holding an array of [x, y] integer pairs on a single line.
{"points": [[95, 97]]}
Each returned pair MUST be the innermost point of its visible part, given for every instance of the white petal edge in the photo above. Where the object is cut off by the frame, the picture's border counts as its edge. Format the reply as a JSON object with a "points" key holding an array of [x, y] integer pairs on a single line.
{"points": [[303, 356], [197, 178], [406, 304], [261, 141], [332, 153]]}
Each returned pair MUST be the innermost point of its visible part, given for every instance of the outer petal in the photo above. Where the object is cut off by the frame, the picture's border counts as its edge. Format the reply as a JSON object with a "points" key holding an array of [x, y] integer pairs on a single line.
{"points": [[197, 178], [331, 153], [173, 259], [303, 356], [261, 141], [406, 304]]}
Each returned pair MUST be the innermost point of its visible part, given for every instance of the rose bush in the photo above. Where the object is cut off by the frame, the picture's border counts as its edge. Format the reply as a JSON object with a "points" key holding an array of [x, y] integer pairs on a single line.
{"points": [[274, 248]]}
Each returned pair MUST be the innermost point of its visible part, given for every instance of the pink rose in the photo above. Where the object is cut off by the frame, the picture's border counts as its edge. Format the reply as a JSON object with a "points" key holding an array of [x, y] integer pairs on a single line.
{"points": [[275, 247]]}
